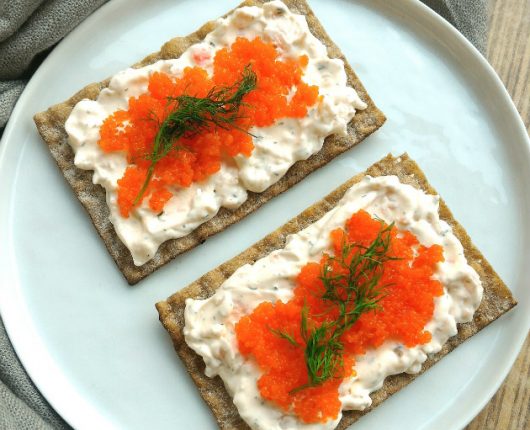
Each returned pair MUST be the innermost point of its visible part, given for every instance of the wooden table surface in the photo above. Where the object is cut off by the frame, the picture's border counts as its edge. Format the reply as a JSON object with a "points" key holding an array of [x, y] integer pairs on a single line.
{"points": [[509, 54]]}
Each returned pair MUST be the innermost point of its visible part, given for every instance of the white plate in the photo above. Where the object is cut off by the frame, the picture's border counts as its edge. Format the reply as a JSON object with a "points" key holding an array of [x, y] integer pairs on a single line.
{"points": [[93, 345]]}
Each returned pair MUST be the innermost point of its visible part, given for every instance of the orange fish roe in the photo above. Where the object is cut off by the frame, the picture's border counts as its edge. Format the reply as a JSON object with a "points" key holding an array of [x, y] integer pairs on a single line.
{"points": [[405, 309], [195, 157]]}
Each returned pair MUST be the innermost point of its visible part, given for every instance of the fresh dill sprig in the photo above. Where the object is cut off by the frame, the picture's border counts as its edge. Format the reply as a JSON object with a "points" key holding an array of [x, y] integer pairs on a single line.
{"points": [[284, 335], [191, 115], [351, 282]]}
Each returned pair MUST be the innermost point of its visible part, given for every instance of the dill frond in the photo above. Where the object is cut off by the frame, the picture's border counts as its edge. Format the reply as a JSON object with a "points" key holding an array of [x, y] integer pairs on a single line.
{"points": [[354, 288], [192, 115]]}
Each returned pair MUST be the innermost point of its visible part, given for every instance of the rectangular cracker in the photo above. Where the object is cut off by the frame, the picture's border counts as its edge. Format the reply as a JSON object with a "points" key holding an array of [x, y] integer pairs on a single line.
{"points": [[50, 125], [497, 298]]}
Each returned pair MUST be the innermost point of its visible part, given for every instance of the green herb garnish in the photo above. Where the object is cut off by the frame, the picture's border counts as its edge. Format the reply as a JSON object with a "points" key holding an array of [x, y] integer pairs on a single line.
{"points": [[191, 115], [284, 335], [354, 290]]}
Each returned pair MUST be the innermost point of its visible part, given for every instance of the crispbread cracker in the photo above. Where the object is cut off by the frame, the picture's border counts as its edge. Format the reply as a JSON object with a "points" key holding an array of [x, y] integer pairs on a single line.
{"points": [[51, 127], [497, 298]]}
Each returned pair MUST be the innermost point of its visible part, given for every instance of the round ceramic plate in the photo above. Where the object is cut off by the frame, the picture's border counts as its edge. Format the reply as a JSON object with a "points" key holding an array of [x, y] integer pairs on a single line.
{"points": [[93, 345]]}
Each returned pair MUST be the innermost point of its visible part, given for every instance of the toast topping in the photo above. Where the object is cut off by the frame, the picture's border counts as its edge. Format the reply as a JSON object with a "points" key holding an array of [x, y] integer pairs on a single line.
{"points": [[376, 287], [180, 130], [261, 331], [301, 97]]}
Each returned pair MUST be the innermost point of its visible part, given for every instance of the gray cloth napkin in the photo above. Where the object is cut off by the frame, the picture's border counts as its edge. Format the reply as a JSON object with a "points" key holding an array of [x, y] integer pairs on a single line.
{"points": [[28, 29], [21, 404]]}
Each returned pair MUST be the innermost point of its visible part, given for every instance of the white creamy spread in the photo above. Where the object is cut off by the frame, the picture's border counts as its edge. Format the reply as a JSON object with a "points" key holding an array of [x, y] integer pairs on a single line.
{"points": [[209, 328], [276, 148]]}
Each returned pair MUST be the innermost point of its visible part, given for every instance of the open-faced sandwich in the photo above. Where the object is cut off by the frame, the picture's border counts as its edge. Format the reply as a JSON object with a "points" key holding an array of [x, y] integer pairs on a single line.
{"points": [[341, 307], [203, 132]]}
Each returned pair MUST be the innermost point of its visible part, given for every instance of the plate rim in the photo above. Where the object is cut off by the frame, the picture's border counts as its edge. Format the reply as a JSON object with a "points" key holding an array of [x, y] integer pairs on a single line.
{"points": [[20, 338]]}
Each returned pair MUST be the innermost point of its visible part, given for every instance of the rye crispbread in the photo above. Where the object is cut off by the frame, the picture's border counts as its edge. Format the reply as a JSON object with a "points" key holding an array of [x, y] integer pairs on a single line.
{"points": [[51, 127], [497, 298]]}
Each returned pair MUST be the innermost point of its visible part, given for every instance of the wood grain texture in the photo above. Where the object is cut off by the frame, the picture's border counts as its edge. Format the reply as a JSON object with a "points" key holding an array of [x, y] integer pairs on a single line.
{"points": [[509, 54]]}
